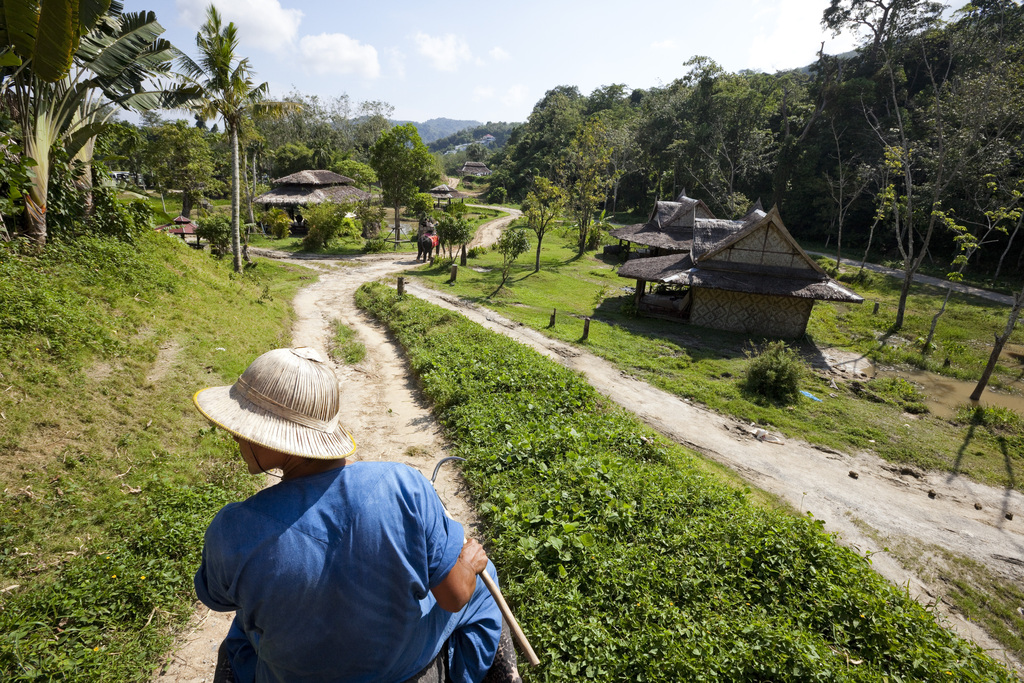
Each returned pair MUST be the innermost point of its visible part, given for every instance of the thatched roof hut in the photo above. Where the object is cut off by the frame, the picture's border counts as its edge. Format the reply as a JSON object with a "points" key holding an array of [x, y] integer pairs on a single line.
{"points": [[477, 168], [311, 187], [744, 276], [443, 192], [669, 230]]}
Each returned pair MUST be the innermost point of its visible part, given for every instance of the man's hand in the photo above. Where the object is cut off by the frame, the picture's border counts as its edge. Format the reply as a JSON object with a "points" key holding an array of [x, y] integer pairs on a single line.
{"points": [[457, 588]]}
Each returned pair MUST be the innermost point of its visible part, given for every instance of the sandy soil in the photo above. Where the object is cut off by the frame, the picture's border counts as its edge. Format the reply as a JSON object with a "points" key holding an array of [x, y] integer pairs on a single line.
{"points": [[868, 503]]}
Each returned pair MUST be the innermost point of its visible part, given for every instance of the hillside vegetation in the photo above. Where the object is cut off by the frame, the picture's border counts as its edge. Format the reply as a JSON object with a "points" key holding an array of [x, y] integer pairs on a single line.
{"points": [[108, 475]]}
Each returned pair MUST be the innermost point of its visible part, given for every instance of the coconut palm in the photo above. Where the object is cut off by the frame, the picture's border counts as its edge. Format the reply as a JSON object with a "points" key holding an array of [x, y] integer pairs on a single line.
{"points": [[228, 92]]}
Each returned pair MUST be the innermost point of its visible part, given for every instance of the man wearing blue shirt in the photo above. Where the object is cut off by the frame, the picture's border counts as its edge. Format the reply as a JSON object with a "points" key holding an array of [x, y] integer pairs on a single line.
{"points": [[341, 571]]}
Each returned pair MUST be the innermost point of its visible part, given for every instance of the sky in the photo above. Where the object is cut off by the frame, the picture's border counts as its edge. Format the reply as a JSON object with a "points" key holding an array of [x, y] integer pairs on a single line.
{"points": [[484, 62]]}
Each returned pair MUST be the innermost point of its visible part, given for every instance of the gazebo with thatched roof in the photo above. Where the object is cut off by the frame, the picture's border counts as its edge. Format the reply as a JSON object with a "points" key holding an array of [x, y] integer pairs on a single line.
{"points": [[182, 226], [443, 192], [311, 187], [746, 276]]}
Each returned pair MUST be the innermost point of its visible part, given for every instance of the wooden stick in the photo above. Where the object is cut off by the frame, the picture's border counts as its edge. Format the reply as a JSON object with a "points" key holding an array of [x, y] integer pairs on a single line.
{"points": [[531, 656]]}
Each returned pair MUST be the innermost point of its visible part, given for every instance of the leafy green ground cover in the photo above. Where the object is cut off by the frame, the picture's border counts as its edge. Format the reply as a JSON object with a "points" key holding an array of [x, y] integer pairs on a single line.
{"points": [[710, 367], [625, 559], [109, 476]]}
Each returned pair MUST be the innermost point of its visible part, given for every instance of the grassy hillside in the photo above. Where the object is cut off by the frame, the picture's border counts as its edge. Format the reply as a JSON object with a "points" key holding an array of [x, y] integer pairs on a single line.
{"points": [[109, 476]]}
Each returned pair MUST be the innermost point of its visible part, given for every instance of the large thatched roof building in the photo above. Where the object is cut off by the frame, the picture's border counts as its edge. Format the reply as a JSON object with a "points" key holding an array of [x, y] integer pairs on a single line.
{"points": [[746, 276], [477, 168], [311, 187]]}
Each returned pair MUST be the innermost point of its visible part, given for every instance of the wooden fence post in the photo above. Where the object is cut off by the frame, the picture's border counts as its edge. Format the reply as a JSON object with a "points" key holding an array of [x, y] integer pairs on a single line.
{"points": [[586, 328], [401, 286], [455, 273], [554, 311], [875, 311]]}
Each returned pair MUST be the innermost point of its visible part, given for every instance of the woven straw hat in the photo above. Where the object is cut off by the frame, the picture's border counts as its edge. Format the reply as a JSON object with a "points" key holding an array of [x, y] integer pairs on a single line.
{"points": [[287, 400]]}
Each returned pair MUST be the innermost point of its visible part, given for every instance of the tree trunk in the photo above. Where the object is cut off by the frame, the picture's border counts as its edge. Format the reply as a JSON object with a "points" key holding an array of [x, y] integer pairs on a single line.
{"points": [[908, 280], [186, 204], [34, 227], [236, 241], [398, 225], [1009, 244], [536, 262], [997, 348], [935, 322], [462, 258]]}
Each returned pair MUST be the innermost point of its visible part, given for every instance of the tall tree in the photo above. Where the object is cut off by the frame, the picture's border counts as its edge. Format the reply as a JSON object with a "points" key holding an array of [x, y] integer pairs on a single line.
{"points": [[179, 156], [229, 91], [584, 177], [404, 166], [544, 203]]}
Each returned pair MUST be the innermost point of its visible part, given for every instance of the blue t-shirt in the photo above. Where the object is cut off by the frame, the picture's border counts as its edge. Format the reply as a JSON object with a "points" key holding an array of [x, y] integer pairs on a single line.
{"points": [[331, 573]]}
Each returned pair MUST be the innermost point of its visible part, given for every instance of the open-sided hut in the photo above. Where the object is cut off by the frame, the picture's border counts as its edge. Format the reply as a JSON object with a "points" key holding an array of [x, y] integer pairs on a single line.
{"points": [[746, 276], [182, 226], [477, 168], [310, 187], [443, 193], [669, 230]]}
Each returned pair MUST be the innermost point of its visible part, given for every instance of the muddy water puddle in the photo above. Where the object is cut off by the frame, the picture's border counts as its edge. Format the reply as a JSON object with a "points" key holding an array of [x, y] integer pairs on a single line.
{"points": [[943, 395]]}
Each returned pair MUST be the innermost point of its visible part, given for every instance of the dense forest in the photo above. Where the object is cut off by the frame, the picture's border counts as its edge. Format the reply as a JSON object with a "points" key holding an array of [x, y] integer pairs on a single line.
{"points": [[912, 142]]}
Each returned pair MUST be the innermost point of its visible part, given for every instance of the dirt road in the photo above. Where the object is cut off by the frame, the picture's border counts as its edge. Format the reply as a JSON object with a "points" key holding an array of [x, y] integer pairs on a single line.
{"points": [[883, 506]]}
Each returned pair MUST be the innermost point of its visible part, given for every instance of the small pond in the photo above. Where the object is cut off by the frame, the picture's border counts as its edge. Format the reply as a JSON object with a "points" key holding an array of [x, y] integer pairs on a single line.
{"points": [[944, 394]]}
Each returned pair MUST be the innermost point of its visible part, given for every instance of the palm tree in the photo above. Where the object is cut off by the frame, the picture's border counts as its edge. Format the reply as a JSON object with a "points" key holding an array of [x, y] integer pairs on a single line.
{"points": [[113, 64], [228, 92]]}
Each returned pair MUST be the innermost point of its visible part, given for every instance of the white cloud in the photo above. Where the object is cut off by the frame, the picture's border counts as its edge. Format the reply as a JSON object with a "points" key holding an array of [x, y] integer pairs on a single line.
{"points": [[260, 23], [336, 53], [515, 95], [664, 46], [794, 39], [482, 93], [499, 55], [444, 52]]}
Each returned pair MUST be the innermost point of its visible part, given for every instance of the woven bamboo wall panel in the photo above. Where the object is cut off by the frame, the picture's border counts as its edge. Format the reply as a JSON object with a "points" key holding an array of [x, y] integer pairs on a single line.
{"points": [[750, 313]]}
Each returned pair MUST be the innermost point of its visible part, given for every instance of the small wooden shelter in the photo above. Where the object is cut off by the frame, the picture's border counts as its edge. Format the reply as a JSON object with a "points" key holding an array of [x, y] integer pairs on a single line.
{"points": [[182, 226], [443, 193], [746, 276], [310, 187], [476, 168]]}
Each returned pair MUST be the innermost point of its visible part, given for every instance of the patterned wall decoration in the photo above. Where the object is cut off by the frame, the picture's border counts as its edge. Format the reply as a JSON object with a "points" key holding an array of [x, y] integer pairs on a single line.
{"points": [[771, 316]]}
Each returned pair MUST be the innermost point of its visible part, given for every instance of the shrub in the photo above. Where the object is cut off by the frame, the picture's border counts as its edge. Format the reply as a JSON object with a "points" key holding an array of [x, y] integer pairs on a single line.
{"points": [[774, 372], [476, 252], [375, 245], [215, 229], [277, 222], [498, 195], [327, 222]]}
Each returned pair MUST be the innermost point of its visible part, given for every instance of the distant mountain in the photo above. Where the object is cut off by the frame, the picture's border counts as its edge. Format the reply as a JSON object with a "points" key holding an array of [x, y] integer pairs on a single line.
{"points": [[435, 129]]}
